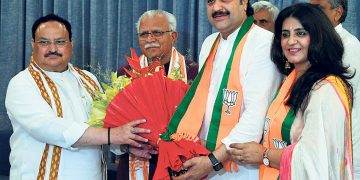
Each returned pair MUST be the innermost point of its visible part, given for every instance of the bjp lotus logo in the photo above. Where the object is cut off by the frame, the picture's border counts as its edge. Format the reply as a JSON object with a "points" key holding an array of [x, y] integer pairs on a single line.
{"points": [[229, 99]]}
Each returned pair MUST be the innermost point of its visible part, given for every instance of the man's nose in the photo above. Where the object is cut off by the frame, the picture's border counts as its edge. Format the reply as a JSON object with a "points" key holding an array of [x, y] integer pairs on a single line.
{"points": [[52, 47], [150, 38], [217, 6]]}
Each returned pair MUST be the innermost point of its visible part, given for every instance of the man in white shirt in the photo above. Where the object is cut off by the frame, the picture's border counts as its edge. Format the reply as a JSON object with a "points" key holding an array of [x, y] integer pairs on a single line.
{"points": [[49, 104], [257, 77], [336, 10]]}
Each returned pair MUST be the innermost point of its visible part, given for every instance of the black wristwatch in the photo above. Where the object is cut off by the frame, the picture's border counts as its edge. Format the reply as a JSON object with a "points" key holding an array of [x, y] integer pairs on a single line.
{"points": [[215, 163]]}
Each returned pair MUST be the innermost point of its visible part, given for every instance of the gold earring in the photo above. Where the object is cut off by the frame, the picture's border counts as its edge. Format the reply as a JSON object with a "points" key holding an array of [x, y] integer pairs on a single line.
{"points": [[287, 65]]}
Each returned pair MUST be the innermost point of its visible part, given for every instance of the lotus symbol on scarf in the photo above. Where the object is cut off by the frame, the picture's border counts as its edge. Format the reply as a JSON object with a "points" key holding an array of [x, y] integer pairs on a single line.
{"points": [[229, 99]]}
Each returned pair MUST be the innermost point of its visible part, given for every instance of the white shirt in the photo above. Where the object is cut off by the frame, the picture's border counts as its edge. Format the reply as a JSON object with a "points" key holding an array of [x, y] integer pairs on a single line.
{"points": [[35, 124], [259, 79], [351, 58], [319, 134]]}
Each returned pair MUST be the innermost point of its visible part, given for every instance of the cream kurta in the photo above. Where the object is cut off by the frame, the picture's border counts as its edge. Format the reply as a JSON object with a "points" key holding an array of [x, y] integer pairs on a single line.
{"points": [[35, 124], [259, 79], [320, 149], [351, 58]]}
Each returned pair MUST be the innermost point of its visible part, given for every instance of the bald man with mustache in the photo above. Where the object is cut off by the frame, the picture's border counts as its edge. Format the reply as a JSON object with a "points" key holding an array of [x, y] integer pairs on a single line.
{"points": [[156, 32]]}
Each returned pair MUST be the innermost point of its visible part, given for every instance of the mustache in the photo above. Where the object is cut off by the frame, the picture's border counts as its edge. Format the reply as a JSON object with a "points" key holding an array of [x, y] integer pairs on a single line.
{"points": [[53, 53], [153, 44], [217, 13]]}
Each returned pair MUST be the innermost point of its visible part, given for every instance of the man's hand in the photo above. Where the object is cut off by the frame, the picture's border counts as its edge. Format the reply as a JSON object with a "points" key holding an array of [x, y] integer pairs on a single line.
{"points": [[247, 153], [127, 134], [145, 151], [198, 168]]}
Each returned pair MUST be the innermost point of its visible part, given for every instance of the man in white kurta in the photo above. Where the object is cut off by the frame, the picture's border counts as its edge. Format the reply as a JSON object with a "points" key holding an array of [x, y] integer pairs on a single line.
{"points": [[49, 104], [34, 123], [259, 80], [336, 10], [351, 59]]}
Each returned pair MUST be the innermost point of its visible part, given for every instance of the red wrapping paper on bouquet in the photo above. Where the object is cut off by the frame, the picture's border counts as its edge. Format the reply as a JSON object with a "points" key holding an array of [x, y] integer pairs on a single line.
{"points": [[154, 98], [172, 154]]}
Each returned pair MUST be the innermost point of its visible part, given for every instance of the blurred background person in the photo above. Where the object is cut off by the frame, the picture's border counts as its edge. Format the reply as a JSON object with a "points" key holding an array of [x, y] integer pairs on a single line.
{"points": [[265, 14]]}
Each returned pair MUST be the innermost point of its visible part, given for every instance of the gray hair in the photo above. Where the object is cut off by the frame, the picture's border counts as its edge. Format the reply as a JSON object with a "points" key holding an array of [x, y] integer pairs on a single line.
{"points": [[343, 4], [170, 18], [273, 10]]}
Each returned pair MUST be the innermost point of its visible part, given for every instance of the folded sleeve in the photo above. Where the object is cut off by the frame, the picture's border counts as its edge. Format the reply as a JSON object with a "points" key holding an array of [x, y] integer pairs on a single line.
{"points": [[29, 112]]}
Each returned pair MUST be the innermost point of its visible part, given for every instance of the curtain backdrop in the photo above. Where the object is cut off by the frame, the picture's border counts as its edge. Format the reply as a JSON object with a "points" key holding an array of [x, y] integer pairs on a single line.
{"points": [[104, 30]]}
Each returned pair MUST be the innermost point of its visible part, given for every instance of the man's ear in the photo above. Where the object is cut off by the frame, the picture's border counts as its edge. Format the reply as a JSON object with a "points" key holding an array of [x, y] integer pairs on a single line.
{"points": [[338, 13], [245, 3], [174, 36], [32, 43]]}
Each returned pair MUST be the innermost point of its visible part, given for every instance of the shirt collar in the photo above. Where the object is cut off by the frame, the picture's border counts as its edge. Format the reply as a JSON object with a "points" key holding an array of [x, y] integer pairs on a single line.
{"points": [[232, 36], [57, 75], [338, 28]]}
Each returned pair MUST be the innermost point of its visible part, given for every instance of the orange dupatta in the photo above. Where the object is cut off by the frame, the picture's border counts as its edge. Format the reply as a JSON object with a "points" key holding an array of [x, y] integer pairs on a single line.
{"points": [[276, 115]]}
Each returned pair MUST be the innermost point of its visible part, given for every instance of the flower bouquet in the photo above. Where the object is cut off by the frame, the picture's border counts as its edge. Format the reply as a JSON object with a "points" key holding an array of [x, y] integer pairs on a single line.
{"points": [[146, 94], [153, 98]]}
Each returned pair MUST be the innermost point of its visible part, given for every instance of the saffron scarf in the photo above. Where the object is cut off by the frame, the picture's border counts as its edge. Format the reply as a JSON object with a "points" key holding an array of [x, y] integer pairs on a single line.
{"points": [[177, 64], [41, 78], [347, 171], [187, 119], [278, 123]]}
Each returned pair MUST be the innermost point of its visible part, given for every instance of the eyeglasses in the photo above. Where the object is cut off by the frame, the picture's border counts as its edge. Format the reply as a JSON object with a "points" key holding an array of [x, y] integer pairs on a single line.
{"points": [[211, 2], [154, 33], [57, 42]]}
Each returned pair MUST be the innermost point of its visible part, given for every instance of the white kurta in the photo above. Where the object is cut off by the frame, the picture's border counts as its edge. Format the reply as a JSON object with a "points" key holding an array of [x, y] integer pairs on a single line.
{"points": [[35, 124], [259, 79], [351, 58], [320, 148]]}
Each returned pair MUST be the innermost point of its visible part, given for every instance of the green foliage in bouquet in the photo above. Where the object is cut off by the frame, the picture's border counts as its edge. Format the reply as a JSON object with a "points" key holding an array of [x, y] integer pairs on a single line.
{"points": [[103, 99], [176, 74]]}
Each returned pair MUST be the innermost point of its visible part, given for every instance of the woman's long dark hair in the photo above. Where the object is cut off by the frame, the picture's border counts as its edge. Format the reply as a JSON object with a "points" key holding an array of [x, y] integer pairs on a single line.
{"points": [[324, 54]]}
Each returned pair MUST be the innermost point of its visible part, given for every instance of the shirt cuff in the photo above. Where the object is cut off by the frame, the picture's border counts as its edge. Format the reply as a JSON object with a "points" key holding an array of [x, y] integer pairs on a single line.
{"points": [[231, 139], [73, 134], [227, 141], [116, 149]]}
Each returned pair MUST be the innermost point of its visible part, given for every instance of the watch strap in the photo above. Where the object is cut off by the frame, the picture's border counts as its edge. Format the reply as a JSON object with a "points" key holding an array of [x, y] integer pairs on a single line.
{"points": [[215, 163], [266, 153]]}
